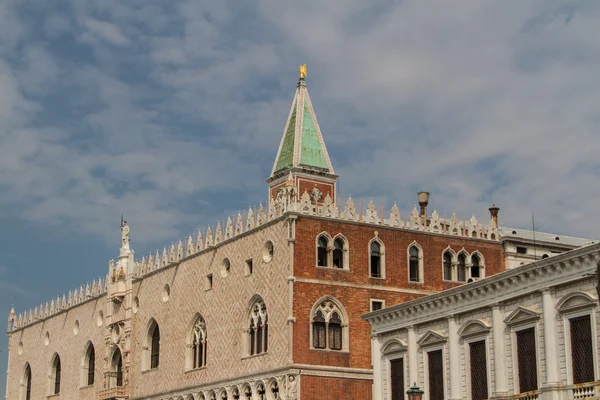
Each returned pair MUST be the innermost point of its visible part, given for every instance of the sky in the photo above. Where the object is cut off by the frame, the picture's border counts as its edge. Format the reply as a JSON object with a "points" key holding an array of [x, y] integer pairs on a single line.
{"points": [[171, 113]]}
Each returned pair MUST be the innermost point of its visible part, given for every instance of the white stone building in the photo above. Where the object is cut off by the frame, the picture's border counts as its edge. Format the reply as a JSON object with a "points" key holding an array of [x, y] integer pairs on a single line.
{"points": [[528, 333], [523, 246]]}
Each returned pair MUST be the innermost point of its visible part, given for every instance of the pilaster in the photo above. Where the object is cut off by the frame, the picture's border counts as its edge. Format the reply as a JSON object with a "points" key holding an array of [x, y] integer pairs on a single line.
{"points": [[376, 356], [454, 353], [500, 370], [413, 364]]}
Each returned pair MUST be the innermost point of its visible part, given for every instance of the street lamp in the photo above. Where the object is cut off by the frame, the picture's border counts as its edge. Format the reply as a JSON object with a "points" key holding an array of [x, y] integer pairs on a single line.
{"points": [[415, 392]]}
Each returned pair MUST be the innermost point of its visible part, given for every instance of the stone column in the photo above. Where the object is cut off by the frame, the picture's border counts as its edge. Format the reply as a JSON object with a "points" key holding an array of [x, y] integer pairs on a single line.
{"points": [[377, 367], [413, 364], [454, 354], [499, 351], [550, 338]]}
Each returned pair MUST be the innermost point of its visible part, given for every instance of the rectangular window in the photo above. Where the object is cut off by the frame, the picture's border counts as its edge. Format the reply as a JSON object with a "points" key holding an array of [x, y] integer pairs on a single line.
{"points": [[375, 267], [521, 250], [209, 282], [319, 340], [436, 375], [335, 337], [397, 378], [377, 305], [527, 360], [249, 267], [479, 383], [582, 351]]}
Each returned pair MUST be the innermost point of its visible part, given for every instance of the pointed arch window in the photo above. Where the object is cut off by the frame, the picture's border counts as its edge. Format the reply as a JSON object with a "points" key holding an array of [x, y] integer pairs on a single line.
{"points": [[329, 329], [319, 331], [447, 265], [56, 372], [258, 331], [27, 381], [413, 264], [475, 266], [338, 253], [91, 365], [198, 344], [375, 259], [116, 369], [462, 267], [155, 347], [322, 244]]}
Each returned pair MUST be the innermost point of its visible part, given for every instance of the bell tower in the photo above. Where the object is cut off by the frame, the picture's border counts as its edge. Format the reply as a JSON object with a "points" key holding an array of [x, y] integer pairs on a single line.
{"points": [[302, 160]]}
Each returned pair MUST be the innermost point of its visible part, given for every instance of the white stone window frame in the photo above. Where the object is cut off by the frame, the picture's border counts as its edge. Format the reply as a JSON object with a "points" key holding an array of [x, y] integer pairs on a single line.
{"points": [[189, 342], [394, 349], [480, 332], [381, 258], [339, 308], [255, 299], [481, 265], [467, 256], [85, 365], [345, 252], [453, 271], [147, 346], [113, 366], [425, 350], [23, 381], [371, 301], [421, 266], [329, 251], [52, 375], [532, 322], [567, 310]]}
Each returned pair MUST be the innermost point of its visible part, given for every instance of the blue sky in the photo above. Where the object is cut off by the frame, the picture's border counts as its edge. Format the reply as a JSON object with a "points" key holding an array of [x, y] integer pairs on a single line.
{"points": [[171, 113]]}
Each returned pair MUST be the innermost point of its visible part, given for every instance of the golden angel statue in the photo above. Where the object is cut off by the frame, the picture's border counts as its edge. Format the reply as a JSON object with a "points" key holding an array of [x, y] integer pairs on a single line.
{"points": [[302, 69]]}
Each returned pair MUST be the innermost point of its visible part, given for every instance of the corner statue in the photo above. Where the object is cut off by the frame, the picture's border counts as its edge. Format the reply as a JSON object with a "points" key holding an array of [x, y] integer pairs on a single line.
{"points": [[124, 234], [302, 69]]}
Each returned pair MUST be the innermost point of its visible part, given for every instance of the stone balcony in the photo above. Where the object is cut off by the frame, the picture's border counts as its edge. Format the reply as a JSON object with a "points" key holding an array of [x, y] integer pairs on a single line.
{"points": [[117, 393]]}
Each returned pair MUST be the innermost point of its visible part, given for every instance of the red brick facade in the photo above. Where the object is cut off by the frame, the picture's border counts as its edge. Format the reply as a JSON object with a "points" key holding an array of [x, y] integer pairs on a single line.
{"points": [[353, 288]]}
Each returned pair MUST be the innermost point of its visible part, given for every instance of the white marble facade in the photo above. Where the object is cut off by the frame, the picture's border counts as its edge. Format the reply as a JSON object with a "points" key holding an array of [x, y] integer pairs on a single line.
{"points": [[547, 295]]}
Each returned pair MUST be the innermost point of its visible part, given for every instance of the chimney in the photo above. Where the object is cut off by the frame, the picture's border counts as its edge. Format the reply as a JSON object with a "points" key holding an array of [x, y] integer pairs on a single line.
{"points": [[494, 213], [423, 201]]}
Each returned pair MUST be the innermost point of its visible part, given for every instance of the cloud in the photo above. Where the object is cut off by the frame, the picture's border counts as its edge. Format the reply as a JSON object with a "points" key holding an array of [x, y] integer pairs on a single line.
{"points": [[106, 31], [158, 109]]}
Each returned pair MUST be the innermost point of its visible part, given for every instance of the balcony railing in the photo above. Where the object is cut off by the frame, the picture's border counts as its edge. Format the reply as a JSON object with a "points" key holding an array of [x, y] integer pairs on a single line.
{"points": [[589, 390], [119, 392], [532, 395]]}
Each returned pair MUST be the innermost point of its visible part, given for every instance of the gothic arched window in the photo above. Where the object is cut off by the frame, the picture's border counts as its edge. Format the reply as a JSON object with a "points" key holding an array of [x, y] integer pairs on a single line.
{"points": [[155, 347], [56, 371], [375, 260], [329, 329], [116, 369], [413, 262], [476, 266], [322, 244], [258, 328], [319, 331], [90, 365], [338, 253], [151, 347], [198, 344], [462, 267], [27, 382], [447, 265]]}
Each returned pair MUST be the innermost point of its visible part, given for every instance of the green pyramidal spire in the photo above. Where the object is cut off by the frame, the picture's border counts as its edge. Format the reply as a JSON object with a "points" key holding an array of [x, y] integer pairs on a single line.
{"points": [[302, 144]]}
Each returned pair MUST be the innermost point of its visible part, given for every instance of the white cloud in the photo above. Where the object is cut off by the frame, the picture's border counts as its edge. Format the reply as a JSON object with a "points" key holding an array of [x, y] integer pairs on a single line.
{"points": [[107, 32], [477, 103]]}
